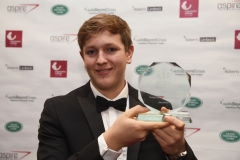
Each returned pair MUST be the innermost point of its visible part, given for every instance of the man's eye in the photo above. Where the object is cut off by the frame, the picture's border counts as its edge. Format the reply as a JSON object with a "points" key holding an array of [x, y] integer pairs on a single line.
{"points": [[91, 52], [112, 49]]}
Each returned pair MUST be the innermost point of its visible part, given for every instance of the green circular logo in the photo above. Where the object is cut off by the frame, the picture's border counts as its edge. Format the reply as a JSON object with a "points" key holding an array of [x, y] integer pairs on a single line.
{"points": [[230, 136], [193, 103], [140, 69], [13, 126], [59, 9]]}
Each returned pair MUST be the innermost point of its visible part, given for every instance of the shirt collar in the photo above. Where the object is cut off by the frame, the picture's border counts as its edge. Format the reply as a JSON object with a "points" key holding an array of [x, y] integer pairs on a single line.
{"points": [[122, 94]]}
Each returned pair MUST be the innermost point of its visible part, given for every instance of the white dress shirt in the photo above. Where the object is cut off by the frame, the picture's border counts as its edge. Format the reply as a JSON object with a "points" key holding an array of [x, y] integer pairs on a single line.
{"points": [[109, 116]]}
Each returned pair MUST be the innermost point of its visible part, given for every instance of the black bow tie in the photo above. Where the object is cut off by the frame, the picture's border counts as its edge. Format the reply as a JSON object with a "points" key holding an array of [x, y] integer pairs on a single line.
{"points": [[102, 104]]}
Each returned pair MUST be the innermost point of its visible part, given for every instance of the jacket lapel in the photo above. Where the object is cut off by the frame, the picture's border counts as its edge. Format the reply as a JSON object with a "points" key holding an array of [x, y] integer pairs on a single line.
{"points": [[88, 104]]}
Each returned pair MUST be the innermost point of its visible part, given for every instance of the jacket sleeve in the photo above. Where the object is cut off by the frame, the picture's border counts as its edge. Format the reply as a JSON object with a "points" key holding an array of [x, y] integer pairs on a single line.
{"points": [[53, 144], [190, 154]]}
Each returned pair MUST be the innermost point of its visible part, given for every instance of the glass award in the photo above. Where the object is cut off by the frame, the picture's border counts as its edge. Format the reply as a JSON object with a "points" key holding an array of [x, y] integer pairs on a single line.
{"points": [[164, 84]]}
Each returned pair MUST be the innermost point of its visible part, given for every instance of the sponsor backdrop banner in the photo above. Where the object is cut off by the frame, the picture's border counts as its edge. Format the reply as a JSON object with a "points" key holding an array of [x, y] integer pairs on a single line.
{"points": [[40, 58]]}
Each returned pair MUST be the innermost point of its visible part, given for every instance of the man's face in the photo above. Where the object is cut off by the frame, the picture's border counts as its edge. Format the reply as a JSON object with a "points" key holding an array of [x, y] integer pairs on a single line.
{"points": [[105, 60]]}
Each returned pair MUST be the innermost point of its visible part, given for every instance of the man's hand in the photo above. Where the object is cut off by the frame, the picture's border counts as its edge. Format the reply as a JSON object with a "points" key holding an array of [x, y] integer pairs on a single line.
{"points": [[126, 130], [171, 138]]}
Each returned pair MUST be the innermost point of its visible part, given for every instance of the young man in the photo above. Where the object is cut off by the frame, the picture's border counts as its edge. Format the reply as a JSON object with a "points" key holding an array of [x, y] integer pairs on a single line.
{"points": [[78, 126]]}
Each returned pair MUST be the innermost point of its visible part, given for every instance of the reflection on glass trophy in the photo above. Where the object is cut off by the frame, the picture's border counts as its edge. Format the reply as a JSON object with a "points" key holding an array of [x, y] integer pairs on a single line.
{"points": [[164, 84]]}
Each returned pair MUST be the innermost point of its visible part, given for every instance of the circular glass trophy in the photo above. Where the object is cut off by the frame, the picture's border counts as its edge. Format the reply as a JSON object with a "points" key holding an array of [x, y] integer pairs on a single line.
{"points": [[164, 84]]}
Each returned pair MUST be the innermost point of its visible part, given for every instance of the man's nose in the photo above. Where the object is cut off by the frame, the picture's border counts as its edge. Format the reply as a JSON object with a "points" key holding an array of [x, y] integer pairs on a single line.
{"points": [[102, 59]]}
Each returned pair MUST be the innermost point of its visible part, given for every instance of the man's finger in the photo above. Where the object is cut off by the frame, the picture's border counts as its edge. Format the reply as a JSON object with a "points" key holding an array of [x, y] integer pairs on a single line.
{"points": [[179, 125], [153, 125], [135, 111], [162, 139], [164, 109]]}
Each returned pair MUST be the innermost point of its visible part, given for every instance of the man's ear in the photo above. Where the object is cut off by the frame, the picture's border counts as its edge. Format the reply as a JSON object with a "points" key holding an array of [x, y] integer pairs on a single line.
{"points": [[81, 53], [130, 54]]}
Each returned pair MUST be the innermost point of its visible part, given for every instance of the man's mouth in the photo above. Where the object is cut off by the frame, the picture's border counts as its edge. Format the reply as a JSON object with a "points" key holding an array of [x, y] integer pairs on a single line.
{"points": [[103, 71]]}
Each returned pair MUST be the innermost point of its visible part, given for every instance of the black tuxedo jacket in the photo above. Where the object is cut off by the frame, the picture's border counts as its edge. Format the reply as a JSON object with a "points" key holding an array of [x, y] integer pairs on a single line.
{"points": [[70, 127]]}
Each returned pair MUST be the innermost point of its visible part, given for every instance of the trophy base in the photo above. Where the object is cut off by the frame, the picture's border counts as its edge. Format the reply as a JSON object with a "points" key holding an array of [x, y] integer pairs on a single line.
{"points": [[159, 117]]}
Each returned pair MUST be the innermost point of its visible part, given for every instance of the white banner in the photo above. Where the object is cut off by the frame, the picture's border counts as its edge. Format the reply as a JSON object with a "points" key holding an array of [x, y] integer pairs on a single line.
{"points": [[203, 37]]}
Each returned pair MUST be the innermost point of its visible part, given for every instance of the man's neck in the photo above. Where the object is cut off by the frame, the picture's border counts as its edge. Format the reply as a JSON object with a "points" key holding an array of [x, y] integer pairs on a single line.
{"points": [[111, 93]]}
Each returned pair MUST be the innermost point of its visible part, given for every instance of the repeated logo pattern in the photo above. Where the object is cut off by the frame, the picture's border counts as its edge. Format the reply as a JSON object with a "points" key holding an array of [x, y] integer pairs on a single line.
{"points": [[58, 69], [188, 8], [31, 31], [13, 38]]}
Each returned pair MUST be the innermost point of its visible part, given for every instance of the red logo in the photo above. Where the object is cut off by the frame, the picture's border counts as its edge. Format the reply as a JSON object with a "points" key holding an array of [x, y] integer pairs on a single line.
{"points": [[188, 8], [32, 5], [58, 69], [13, 38], [191, 131], [237, 39], [16, 155], [22, 8]]}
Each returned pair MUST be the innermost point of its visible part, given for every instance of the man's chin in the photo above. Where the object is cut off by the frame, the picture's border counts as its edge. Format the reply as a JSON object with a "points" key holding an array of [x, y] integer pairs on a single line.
{"points": [[103, 85]]}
